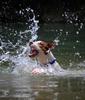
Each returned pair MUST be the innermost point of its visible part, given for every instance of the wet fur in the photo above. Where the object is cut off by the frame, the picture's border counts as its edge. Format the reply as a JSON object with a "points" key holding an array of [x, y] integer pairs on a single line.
{"points": [[42, 47]]}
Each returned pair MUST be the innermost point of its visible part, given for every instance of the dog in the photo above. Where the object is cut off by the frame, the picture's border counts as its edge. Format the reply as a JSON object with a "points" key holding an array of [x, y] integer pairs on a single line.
{"points": [[41, 51]]}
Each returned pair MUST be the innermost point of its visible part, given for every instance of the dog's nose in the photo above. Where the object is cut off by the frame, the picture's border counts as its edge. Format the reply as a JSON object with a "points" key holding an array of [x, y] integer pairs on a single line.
{"points": [[30, 43]]}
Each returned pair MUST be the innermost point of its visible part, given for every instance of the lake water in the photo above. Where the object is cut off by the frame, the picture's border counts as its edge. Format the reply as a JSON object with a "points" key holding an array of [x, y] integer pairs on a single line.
{"points": [[70, 55], [28, 87]]}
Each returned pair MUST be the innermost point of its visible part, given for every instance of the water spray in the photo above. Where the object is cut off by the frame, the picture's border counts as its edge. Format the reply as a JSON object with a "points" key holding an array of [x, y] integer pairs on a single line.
{"points": [[56, 40]]}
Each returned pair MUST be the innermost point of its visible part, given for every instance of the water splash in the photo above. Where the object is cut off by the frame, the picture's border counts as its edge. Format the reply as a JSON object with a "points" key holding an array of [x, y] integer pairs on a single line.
{"points": [[14, 53], [33, 27], [19, 63]]}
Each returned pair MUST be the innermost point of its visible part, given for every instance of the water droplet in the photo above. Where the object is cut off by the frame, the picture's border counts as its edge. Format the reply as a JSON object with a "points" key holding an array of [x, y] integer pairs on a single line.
{"points": [[81, 25], [71, 22], [70, 64], [77, 32], [66, 33], [77, 54], [56, 30], [77, 41], [61, 30], [74, 47], [20, 12]]}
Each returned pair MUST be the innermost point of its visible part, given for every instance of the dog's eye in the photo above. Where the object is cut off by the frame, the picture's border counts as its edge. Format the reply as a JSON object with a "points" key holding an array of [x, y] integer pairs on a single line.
{"points": [[30, 43]]}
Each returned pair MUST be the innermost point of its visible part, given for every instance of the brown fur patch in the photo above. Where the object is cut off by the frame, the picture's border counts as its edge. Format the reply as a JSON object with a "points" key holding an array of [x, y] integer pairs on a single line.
{"points": [[45, 46]]}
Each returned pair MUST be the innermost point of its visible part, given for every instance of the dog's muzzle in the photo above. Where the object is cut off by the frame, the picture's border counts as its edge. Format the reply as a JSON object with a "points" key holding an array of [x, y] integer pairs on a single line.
{"points": [[33, 52]]}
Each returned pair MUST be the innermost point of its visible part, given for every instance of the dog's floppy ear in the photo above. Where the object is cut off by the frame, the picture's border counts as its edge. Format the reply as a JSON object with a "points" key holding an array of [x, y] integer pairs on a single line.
{"points": [[51, 45], [47, 45]]}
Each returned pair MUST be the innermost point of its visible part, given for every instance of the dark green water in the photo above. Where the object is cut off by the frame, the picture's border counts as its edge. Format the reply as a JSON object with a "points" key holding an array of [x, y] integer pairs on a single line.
{"points": [[70, 54], [71, 49], [41, 88]]}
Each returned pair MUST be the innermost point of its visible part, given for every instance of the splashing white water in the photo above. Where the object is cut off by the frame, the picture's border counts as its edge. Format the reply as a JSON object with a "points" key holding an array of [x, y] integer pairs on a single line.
{"points": [[22, 64], [33, 27], [26, 65]]}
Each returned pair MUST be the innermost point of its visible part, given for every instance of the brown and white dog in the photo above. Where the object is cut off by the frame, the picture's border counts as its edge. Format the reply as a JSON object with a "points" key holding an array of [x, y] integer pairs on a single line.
{"points": [[41, 51]]}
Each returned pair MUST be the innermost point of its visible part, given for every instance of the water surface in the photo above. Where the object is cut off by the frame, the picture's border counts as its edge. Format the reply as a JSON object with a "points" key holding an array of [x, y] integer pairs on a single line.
{"points": [[70, 54], [28, 87]]}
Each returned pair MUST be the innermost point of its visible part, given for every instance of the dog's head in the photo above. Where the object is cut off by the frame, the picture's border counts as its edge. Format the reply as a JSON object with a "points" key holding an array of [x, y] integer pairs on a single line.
{"points": [[40, 46]]}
